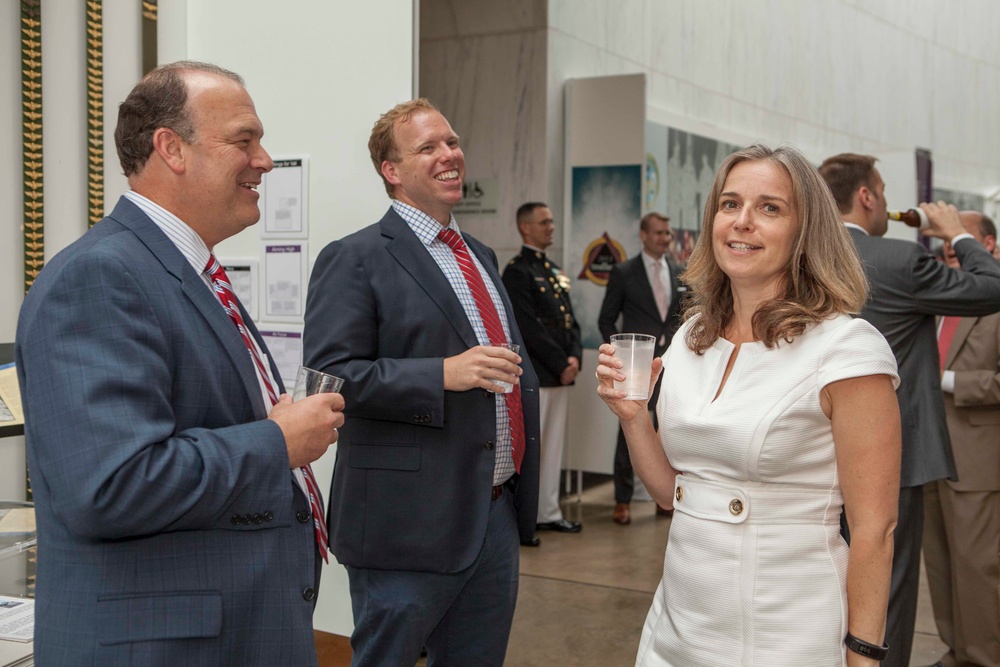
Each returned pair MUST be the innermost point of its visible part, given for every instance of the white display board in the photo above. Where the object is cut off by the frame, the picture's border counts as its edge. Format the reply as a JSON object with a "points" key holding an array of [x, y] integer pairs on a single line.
{"points": [[284, 199]]}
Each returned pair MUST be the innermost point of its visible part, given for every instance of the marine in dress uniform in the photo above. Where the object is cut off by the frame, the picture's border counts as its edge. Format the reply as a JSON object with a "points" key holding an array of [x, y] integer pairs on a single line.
{"points": [[539, 293]]}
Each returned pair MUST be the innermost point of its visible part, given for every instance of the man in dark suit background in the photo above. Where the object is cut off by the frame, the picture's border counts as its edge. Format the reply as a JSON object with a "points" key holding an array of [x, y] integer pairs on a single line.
{"points": [[436, 479], [539, 292], [962, 535], [646, 292], [909, 287], [171, 525]]}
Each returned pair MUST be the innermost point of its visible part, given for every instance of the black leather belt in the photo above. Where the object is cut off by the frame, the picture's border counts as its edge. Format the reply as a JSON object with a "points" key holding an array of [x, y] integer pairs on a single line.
{"points": [[497, 491]]}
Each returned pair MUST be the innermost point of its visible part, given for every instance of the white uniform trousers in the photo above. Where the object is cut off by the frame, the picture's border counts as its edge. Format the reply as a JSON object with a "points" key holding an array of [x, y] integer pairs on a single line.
{"points": [[553, 404]]}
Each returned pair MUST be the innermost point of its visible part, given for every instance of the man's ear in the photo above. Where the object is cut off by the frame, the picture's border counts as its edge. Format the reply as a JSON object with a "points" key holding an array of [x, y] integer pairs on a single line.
{"points": [[990, 243], [169, 147], [389, 173], [866, 198]]}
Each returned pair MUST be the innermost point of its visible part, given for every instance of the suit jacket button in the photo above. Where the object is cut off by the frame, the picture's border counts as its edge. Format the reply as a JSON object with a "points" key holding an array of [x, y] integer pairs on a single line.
{"points": [[268, 515], [486, 393], [236, 520], [247, 519], [302, 516], [489, 444], [258, 519], [308, 594]]}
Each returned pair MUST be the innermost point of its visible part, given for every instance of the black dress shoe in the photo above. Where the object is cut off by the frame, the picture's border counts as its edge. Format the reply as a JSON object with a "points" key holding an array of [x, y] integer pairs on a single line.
{"points": [[560, 526], [533, 542]]}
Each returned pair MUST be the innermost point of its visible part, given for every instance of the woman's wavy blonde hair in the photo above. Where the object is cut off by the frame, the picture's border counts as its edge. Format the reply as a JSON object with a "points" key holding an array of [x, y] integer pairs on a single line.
{"points": [[824, 276]]}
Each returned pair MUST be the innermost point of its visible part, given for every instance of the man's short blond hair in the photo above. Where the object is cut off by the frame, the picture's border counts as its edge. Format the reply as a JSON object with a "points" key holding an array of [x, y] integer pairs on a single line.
{"points": [[382, 143]]}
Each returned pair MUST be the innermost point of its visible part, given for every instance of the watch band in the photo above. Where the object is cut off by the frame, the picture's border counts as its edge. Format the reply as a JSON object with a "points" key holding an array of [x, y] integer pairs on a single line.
{"points": [[862, 647]]}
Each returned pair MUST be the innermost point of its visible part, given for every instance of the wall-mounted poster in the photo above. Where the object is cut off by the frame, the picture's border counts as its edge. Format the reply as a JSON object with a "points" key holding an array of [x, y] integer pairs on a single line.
{"points": [[284, 282], [284, 199], [680, 170], [285, 344], [606, 207]]}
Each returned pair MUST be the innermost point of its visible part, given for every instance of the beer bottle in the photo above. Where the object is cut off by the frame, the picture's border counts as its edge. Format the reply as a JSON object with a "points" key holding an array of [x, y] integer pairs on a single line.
{"points": [[915, 217]]}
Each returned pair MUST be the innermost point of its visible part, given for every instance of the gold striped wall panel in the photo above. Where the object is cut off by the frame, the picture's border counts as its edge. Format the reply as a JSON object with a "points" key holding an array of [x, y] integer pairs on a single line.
{"points": [[95, 112], [31, 139]]}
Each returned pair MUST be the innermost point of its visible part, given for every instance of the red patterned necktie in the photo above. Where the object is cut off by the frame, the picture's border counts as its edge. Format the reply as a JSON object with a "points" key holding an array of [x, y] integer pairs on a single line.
{"points": [[491, 321], [220, 281], [949, 325]]}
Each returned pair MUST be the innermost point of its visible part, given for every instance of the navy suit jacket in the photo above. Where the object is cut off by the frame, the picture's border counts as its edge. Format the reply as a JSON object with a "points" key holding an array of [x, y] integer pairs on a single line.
{"points": [[166, 511], [411, 486], [908, 288]]}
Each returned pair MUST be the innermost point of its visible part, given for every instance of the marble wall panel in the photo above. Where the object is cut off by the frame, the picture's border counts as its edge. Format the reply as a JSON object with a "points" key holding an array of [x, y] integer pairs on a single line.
{"points": [[628, 30], [492, 89], [826, 75], [446, 19], [587, 20], [917, 17]]}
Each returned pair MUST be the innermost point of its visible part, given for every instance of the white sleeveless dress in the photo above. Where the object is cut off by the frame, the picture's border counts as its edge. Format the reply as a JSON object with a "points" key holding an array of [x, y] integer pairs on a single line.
{"points": [[755, 569]]}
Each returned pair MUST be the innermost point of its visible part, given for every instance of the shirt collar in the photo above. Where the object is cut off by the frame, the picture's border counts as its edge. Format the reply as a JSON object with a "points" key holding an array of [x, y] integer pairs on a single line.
{"points": [[187, 241], [424, 226], [649, 260], [851, 225]]}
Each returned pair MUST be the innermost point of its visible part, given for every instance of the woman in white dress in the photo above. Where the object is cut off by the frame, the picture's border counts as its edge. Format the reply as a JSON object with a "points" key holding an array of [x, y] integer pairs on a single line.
{"points": [[777, 410]]}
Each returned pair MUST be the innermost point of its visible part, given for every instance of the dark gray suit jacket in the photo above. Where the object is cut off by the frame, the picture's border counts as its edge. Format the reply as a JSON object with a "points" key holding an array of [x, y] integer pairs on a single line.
{"points": [[411, 486], [151, 462], [629, 294], [909, 287]]}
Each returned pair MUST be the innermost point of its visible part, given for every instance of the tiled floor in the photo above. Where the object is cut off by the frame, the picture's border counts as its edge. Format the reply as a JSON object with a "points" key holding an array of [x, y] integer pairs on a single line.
{"points": [[583, 597]]}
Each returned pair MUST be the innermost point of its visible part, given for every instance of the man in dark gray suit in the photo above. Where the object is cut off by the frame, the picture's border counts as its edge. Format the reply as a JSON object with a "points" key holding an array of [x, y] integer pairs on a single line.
{"points": [[646, 292], [172, 527], [436, 481], [909, 287]]}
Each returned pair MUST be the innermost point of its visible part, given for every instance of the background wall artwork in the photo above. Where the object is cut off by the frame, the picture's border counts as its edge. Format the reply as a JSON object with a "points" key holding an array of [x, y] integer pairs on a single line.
{"points": [[606, 205]]}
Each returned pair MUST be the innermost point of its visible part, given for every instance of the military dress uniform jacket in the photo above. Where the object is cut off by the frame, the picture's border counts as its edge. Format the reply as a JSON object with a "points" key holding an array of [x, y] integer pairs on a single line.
{"points": [[539, 293]]}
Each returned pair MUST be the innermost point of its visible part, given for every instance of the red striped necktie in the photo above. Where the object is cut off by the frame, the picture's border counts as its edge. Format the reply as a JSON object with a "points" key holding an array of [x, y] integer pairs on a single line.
{"points": [[223, 289], [494, 329], [949, 325]]}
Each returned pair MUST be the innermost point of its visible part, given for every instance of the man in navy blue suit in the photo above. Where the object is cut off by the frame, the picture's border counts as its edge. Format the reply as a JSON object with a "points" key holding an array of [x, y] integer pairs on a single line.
{"points": [[173, 528], [436, 480]]}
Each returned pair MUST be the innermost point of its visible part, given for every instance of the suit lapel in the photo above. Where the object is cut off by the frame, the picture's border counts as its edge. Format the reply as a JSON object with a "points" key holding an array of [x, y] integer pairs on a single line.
{"points": [[644, 290], [129, 215], [961, 334], [411, 254]]}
